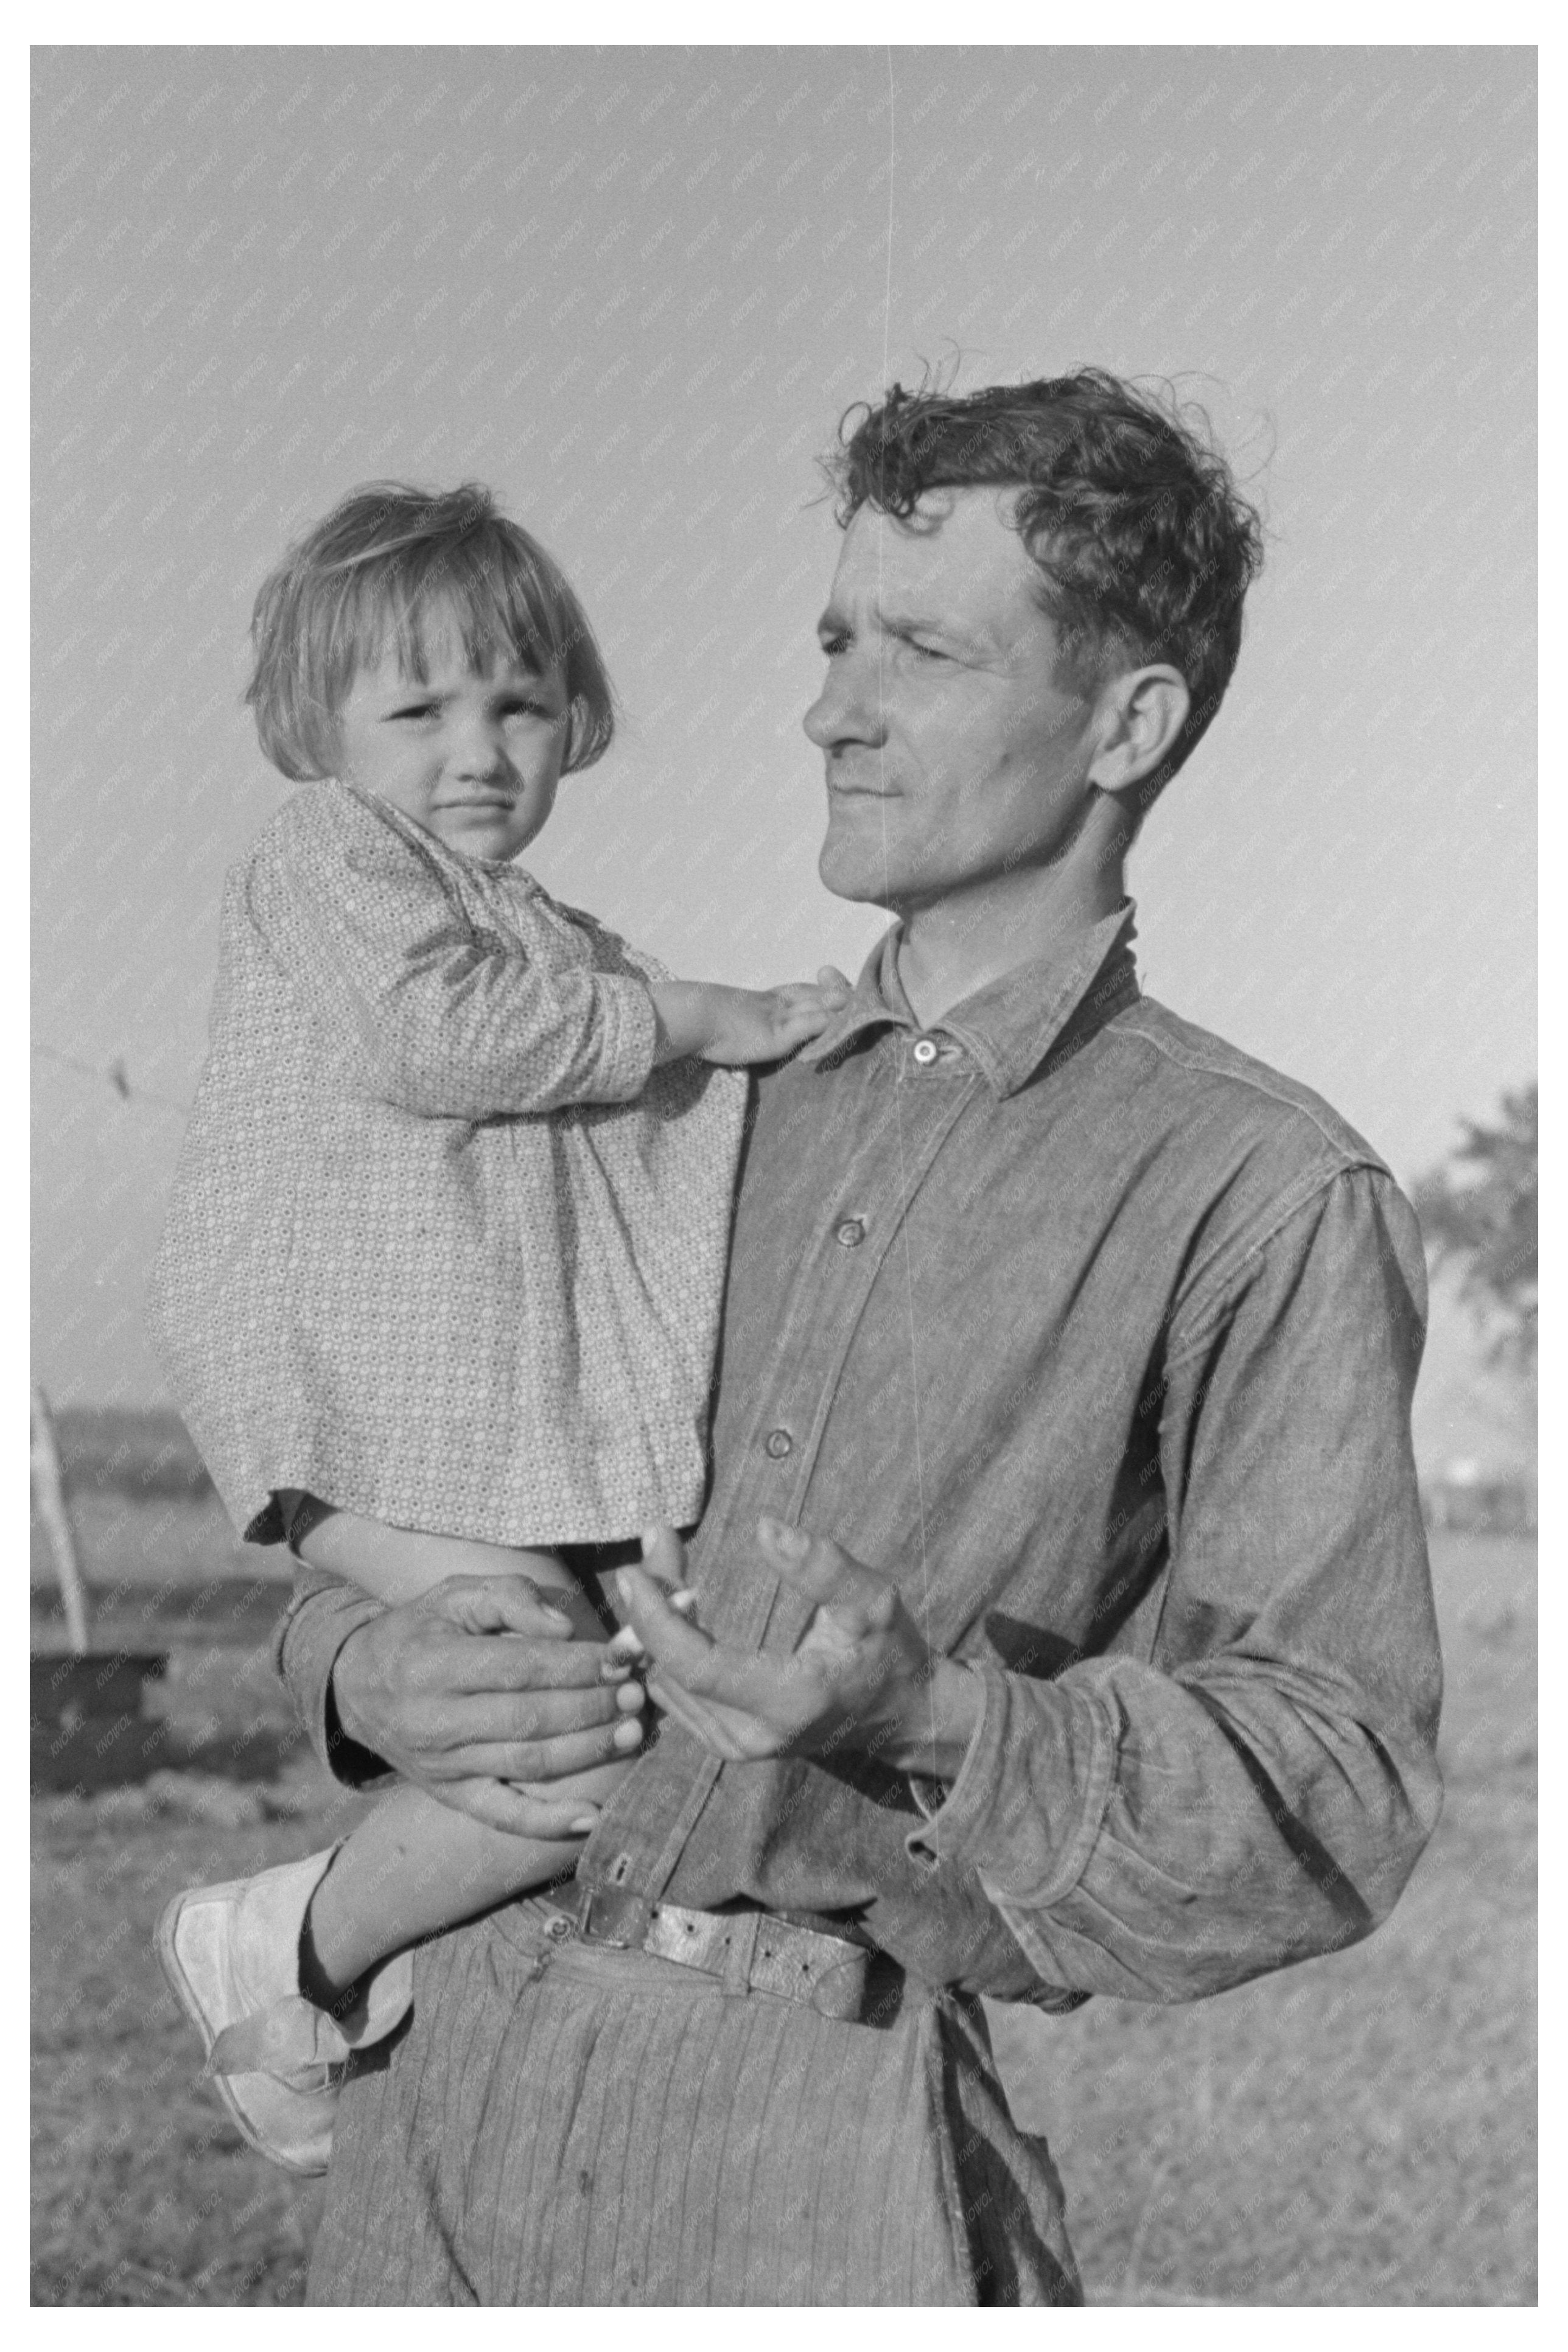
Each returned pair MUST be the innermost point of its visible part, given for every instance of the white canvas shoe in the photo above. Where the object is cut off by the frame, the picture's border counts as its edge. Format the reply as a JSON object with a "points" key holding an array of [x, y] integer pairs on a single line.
{"points": [[231, 1954]]}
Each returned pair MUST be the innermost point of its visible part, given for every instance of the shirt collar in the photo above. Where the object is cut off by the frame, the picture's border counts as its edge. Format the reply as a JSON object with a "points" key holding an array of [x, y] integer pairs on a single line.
{"points": [[1009, 1026]]}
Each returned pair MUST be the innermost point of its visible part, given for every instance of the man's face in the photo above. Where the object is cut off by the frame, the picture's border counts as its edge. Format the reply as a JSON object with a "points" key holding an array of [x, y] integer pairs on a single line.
{"points": [[951, 755]]}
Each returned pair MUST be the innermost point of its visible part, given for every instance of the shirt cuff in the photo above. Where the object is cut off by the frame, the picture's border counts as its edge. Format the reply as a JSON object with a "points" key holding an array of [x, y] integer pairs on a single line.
{"points": [[1026, 1809], [322, 1613]]}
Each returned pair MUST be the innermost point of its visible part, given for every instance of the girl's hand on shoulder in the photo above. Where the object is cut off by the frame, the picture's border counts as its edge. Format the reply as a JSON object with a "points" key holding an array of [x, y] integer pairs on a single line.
{"points": [[775, 1022], [739, 1026]]}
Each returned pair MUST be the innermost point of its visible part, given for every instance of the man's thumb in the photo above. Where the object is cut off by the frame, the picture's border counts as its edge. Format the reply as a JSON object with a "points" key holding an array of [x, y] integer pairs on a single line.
{"points": [[821, 1571], [664, 1555]]}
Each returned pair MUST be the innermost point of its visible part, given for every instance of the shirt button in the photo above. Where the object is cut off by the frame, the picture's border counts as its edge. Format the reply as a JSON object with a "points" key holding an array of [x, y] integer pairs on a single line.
{"points": [[851, 1233], [779, 1443], [925, 1051]]}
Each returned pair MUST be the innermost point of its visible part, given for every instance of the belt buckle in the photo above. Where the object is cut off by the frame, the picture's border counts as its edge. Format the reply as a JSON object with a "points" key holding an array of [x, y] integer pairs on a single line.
{"points": [[617, 1916]]}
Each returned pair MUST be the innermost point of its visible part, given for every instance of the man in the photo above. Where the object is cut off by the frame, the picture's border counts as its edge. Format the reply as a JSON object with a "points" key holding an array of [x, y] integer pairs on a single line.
{"points": [[1063, 1620]]}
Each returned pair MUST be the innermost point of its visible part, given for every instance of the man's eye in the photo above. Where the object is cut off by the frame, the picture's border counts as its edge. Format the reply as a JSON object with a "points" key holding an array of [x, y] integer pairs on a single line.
{"points": [[414, 711], [831, 646], [926, 653]]}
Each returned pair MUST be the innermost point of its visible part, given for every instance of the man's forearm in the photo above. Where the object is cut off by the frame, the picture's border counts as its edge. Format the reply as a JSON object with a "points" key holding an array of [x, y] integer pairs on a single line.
{"points": [[1157, 1838], [1257, 1790]]}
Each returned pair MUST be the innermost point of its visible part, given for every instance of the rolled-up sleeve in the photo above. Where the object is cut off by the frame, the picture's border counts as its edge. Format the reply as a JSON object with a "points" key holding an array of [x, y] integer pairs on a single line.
{"points": [[1259, 1788], [323, 1612], [438, 1016]]}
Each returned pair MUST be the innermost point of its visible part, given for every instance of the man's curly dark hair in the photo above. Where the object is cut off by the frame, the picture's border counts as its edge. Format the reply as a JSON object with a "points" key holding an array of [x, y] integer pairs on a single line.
{"points": [[1145, 546]]}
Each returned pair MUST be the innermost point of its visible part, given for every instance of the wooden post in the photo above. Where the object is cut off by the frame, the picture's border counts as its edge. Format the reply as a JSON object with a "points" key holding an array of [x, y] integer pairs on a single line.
{"points": [[48, 1489]]}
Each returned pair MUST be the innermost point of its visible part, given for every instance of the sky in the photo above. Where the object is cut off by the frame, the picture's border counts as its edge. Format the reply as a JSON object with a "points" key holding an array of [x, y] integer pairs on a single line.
{"points": [[634, 291]]}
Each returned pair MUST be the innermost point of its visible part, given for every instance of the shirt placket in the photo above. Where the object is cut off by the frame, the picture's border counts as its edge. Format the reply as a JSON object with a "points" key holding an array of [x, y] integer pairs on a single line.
{"points": [[859, 1235], [646, 1825]]}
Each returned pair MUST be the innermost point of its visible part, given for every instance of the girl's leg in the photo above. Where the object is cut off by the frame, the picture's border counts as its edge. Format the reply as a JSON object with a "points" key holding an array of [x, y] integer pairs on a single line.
{"points": [[240, 1956], [414, 1866]]}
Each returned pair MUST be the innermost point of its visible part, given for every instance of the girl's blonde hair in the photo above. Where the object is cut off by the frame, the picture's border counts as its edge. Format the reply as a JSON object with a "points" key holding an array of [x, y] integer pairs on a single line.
{"points": [[390, 565]]}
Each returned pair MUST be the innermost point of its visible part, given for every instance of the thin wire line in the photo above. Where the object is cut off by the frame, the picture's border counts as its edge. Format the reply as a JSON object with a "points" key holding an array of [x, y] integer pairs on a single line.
{"points": [[114, 1076], [887, 875]]}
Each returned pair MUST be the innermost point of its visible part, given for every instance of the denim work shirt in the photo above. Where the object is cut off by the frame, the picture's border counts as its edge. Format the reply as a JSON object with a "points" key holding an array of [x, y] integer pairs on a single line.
{"points": [[1099, 1338]]}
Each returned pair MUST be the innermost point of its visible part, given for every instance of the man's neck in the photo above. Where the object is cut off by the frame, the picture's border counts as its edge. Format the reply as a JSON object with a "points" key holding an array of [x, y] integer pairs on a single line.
{"points": [[962, 942]]}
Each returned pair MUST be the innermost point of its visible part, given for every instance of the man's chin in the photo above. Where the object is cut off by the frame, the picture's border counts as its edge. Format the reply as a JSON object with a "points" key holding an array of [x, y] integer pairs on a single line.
{"points": [[849, 872]]}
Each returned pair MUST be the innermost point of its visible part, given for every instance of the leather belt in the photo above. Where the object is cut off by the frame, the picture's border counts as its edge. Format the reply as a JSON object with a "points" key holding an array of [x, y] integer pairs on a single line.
{"points": [[747, 1951]]}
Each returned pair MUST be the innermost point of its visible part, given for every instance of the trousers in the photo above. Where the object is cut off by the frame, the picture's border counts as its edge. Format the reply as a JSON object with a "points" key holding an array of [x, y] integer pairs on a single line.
{"points": [[559, 2122]]}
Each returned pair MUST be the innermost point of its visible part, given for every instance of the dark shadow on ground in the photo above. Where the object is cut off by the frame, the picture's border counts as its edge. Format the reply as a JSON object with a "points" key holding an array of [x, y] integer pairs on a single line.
{"points": [[94, 1754]]}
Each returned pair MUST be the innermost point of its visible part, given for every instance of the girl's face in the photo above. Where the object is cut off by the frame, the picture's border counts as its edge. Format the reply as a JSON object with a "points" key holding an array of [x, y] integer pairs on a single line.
{"points": [[473, 758]]}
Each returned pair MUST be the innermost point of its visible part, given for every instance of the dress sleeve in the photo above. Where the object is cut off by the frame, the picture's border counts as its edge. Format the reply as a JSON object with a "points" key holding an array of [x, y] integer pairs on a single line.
{"points": [[434, 1014], [1259, 1791]]}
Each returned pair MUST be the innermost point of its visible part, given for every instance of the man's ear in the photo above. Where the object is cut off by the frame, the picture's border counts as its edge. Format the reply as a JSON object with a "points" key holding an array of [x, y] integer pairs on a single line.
{"points": [[1137, 718]]}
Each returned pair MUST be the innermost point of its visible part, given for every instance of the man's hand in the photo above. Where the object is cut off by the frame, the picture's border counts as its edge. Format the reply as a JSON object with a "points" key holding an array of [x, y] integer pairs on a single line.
{"points": [[862, 1677], [478, 1685]]}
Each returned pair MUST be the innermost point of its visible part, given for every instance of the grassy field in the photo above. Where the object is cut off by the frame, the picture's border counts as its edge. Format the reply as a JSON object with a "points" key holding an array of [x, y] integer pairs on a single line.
{"points": [[1357, 2131]]}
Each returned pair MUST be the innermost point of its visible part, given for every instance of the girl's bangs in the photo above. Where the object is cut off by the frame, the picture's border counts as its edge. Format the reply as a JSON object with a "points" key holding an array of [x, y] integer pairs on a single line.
{"points": [[414, 601]]}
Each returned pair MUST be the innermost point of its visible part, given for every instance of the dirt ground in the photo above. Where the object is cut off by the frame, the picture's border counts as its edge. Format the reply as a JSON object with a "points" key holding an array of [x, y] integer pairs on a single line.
{"points": [[1359, 2130]]}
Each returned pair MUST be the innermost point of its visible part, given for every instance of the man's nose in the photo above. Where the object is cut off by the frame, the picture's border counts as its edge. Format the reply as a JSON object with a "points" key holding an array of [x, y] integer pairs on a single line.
{"points": [[849, 708]]}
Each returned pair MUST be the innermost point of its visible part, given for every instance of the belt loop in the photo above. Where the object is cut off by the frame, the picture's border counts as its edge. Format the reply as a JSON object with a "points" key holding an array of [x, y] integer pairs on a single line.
{"points": [[739, 1944]]}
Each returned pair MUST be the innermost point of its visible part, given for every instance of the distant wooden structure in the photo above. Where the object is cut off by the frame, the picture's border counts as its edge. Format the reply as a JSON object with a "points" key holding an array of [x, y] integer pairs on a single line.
{"points": [[50, 1496]]}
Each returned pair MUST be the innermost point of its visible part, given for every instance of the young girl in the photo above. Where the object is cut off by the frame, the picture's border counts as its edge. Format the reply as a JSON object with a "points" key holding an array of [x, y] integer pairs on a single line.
{"points": [[440, 1283]]}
